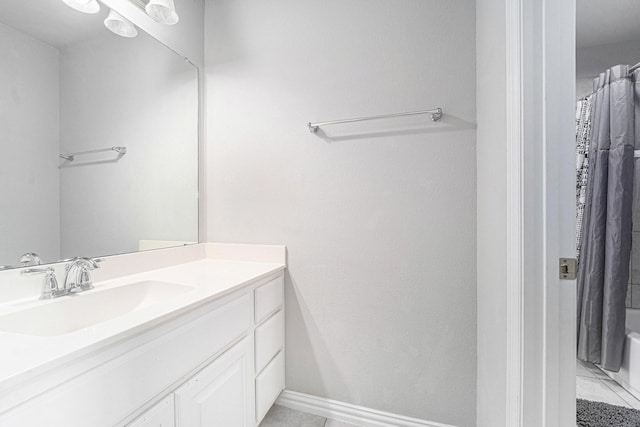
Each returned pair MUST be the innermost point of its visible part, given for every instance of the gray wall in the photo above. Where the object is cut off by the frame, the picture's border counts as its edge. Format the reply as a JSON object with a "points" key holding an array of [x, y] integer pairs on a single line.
{"points": [[380, 219], [29, 182], [591, 61]]}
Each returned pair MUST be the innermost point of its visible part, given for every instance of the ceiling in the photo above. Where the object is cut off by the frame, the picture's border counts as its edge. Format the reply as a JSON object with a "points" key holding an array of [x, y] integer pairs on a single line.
{"points": [[51, 21], [603, 22]]}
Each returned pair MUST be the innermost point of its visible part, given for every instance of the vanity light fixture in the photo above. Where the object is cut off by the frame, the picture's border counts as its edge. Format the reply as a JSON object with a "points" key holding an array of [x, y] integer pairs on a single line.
{"points": [[119, 25], [162, 11], [86, 6]]}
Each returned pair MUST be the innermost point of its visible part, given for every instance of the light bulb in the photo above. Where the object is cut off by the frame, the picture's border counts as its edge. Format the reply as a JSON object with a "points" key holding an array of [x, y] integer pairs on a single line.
{"points": [[162, 11], [119, 25]]}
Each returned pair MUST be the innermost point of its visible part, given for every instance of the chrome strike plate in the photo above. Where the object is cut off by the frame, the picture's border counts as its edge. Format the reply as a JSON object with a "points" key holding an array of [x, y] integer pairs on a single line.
{"points": [[568, 268]]}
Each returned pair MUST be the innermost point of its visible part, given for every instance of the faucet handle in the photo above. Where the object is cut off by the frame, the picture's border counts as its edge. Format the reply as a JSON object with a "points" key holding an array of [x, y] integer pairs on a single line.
{"points": [[30, 258], [50, 287], [95, 262]]}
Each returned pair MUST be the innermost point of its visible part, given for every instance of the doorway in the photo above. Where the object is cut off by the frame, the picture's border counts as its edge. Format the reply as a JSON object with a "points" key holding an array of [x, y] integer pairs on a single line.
{"points": [[607, 34]]}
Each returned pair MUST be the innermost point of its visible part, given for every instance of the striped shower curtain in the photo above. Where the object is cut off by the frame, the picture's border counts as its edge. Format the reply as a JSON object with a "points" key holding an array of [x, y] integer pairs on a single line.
{"points": [[583, 140]]}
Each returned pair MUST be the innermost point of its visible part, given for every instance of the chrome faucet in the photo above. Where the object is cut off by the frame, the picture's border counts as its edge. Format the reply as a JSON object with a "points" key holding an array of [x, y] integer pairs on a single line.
{"points": [[50, 287], [78, 274], [30, 258], [78, 277]]}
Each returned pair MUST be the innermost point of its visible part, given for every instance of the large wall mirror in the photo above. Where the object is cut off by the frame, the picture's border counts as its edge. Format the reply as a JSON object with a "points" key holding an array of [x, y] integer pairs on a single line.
{"points": [[98, 137]]}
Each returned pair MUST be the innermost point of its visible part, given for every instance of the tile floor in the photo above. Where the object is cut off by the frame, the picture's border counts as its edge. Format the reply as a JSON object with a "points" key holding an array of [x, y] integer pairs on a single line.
{"points": [[593, 384], [280, 416]]}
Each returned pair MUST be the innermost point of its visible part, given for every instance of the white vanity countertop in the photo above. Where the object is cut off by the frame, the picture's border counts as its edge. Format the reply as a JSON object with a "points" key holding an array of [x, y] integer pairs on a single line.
{"points": [[25, 356]]}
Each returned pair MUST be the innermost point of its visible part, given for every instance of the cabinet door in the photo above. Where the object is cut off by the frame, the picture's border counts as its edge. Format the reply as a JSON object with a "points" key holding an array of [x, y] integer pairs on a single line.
{"points": [[160, 415], [221, 394]]}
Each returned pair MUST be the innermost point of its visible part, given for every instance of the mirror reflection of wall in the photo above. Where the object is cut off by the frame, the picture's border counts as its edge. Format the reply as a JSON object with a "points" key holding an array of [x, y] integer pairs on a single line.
{"points": [[67, 84], [29, 140]]}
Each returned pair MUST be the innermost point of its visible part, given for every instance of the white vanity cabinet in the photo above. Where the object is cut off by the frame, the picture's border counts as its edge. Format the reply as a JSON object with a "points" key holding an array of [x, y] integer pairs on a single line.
{"points": [[221, 364], [238, 388]]}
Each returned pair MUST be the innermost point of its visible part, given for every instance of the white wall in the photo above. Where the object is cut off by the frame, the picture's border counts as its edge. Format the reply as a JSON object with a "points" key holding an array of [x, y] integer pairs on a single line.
{"points": [[380, 221], [29, 184], [148, 103], [492, 210]]}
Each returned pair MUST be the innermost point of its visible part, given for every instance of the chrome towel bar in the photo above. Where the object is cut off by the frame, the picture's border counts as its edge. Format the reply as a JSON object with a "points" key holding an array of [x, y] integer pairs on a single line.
{"points": [[436, 114], [71, 156]]}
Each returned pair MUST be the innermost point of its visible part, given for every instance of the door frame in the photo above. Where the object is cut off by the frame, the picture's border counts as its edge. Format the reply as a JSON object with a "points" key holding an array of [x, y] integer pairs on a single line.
{"points": [[540, 312]]}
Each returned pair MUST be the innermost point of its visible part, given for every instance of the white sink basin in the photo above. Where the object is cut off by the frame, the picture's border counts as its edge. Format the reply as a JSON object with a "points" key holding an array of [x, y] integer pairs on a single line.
{"points": [[71, 313]]}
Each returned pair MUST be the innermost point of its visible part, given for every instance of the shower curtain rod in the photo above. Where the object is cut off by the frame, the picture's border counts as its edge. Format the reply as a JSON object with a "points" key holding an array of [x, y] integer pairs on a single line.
{"points": [[436, 114]]}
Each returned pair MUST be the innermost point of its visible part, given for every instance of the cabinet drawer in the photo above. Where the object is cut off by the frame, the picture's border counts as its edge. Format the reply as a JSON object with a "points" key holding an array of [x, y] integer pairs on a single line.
{"points": [[269, 384], [268, 298], [269, 340]]}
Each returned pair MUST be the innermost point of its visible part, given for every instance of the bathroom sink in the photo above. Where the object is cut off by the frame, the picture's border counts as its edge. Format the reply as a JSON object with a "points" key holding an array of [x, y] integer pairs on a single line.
{"points": [[83, 310]]}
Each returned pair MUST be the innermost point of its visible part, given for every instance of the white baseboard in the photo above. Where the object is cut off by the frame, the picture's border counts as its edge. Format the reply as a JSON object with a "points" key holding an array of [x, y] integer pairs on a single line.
{"points": [[348, 413]]}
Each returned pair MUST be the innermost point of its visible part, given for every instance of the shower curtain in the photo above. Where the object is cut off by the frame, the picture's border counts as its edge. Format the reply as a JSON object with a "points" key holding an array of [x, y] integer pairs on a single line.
{"points": [[605, 249]]}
